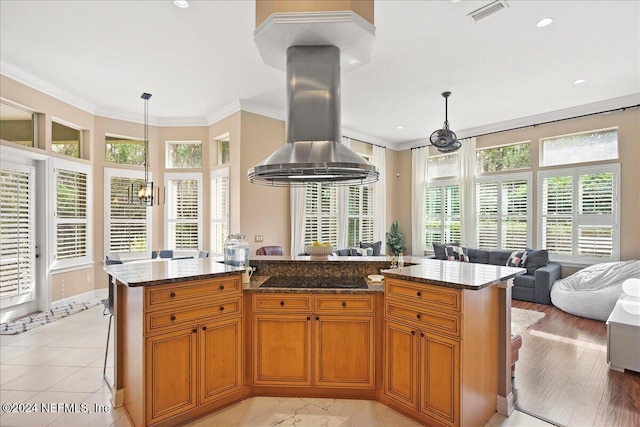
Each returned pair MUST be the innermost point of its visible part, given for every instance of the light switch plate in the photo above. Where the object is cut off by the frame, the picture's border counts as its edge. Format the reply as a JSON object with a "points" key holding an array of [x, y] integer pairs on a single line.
{"points": [[259, 238]]}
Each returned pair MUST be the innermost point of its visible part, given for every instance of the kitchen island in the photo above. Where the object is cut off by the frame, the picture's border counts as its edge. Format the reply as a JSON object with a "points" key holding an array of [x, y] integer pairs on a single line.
{"points": [[428, 342]]}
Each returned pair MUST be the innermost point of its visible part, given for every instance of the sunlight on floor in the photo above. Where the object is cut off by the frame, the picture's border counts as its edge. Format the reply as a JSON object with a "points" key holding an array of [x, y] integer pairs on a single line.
{"points": [[572, 341]]}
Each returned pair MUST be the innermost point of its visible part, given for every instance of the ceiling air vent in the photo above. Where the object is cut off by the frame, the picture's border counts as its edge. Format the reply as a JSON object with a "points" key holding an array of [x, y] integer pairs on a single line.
{"points": [[488, 9]]}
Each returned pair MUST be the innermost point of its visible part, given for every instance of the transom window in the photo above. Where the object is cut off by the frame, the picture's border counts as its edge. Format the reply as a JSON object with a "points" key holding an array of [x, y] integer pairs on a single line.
{"points": [[184, 154], [443, 166], [124, 150], [505, 158], [580, 148], [65, 140], [17, 125]]}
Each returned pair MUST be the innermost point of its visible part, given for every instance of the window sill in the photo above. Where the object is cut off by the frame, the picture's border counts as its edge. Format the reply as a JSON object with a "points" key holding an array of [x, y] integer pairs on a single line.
{"points": [[56, 270]]}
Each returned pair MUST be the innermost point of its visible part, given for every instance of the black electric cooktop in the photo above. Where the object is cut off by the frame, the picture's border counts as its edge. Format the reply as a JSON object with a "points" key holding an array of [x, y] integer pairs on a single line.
{"points": [[316, 282]]}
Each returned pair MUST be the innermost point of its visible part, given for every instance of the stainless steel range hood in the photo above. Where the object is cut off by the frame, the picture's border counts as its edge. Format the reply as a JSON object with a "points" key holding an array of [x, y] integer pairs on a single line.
{"points": [[314, 151]]}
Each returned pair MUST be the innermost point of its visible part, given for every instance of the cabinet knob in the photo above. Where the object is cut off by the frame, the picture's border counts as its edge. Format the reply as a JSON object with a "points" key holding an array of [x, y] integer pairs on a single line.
{"points": [[173, 318], [317, 318], [422, 334], [204, 328], [281, 302], [308, 317], [222, 287], [194, 330], [173, 295], [413, 332], [419, 316], [419, 293], [344, 304], [221, 308]]}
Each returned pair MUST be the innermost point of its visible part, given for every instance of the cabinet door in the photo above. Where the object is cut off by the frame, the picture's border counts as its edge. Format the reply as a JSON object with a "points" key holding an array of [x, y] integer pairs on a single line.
{"points": [[281, 349], [220, 345], [344, 351], [171, 374], [401, 364], [439, 378]]}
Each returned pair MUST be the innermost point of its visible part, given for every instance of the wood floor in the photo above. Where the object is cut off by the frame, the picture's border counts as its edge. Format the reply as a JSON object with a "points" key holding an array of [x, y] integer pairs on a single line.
{"points": [[563, 375]]}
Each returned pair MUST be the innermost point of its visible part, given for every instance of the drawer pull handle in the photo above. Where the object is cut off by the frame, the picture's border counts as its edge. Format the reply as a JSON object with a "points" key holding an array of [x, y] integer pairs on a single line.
{"points": [[221, 308], [173, 318], [173, 295], [419, 293], [194, 330], [422, 334], [281, 302], [344, 304], [413, 332], [204, 328], [419, 316], [317, 318], [308, 317], [222, 287]]}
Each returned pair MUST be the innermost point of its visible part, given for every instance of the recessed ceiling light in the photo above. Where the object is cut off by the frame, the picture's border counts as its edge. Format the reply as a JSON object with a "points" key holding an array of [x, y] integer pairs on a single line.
{"points": [[181, 3], [544, 22], [400, 127], [579, 81]]}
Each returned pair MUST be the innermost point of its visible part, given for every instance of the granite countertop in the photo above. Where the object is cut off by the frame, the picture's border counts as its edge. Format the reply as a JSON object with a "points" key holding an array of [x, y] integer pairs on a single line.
{"points": [[164, 271], [256, 281]]}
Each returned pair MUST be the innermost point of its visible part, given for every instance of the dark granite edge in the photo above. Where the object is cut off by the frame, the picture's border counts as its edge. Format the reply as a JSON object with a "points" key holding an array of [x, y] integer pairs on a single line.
{"points": [[448, 284], [178, 279], [256, 281]]}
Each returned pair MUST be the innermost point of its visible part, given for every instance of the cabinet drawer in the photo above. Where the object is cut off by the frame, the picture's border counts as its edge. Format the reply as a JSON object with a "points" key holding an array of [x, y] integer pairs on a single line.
{"points": [[164, 296], [433, 296], [336, 303], [439, 322], [281, 302], [192, 315]]}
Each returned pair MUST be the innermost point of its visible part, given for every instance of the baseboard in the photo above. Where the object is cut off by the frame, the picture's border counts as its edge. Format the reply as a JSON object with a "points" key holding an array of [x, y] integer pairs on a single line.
{"points": [[504, 405], [83, 297]]}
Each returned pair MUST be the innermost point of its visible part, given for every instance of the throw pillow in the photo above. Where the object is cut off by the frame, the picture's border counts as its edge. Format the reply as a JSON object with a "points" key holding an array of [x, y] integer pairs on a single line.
{"points": [[517, 258], [439, 249], [376, 246], [457, 253], [535, 260]]}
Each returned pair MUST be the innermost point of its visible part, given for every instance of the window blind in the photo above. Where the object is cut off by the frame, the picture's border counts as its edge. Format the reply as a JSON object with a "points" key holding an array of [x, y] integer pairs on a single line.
{"points": [[183, 213], [127, 223], [321, 214], [219, 209], [71, 214]]}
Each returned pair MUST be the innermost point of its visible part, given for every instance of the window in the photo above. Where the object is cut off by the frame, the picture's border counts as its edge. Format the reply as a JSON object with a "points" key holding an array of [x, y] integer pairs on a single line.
{"points": [[219, 209], [65, 140], [321, 214], [222, 150], [442, 213], [127, 226], [580, 148], [443, 166], [124, 151], [502, 216], [360, 215], [506, 158], [71, 213], [17, 230], [185, 155], [17, 125], [579, 213], [183, 211]]}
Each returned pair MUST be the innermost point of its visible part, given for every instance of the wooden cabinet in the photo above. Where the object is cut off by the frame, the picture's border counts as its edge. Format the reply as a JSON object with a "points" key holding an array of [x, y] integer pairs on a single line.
{"points": [[192, 351], [425, 333], [313, 340]]}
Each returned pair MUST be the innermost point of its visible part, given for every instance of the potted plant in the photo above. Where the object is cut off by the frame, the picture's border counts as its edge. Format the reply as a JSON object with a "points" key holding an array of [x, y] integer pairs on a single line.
{"points": [[395, 239]]}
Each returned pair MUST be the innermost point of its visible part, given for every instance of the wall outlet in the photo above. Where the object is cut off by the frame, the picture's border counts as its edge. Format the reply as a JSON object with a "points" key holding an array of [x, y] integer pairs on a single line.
{"points": [[259, 238]]}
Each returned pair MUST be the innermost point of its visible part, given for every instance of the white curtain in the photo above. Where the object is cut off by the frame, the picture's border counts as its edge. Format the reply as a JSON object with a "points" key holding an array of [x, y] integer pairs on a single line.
{"points": [[467, 191], [343, 210], [297, 202], [380, 197], [419, 158]]}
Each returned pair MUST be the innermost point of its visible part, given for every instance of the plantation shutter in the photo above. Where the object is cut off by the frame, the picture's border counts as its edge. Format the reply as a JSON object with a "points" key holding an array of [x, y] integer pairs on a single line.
{"points": [[183, 208], [219, 209], [487, 215], [596, 201], [451, 204], [321, 214], [360, 215], [367, 214], [127, 222], [17, 230], [514, 211], [355, 219], [557, 214], [71, 214], [312, 224], [433, 215]]}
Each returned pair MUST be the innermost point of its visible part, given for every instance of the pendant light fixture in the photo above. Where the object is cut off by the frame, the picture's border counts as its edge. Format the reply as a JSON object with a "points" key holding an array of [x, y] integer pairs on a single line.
{"points": [[146, 194], [444, 139]]}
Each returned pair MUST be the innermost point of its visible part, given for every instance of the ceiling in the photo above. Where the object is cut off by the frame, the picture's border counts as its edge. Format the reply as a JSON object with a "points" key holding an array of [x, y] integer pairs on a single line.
{"points": [[200, 61]]}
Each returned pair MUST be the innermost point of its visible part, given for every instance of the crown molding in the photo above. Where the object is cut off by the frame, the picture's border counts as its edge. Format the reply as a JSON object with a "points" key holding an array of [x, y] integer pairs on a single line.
{"points": [[350, 133], [46, 88], [263, 110], [563, 114], [224, 112]]}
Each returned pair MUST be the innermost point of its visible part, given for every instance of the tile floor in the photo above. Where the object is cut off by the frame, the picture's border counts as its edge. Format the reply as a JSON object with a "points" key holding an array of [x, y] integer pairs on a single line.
{"points": [[60, 365]]}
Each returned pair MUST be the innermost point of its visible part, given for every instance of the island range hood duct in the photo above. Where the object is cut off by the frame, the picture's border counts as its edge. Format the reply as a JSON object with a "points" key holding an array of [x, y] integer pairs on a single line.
{"points": [[314, 151]]}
